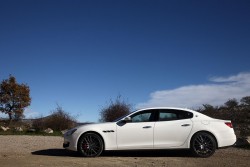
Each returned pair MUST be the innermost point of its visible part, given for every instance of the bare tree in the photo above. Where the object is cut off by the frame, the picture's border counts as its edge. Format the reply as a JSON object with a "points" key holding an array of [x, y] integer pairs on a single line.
{"points": [[231, 104], [245, 101], [58, 120], [114, 110]]}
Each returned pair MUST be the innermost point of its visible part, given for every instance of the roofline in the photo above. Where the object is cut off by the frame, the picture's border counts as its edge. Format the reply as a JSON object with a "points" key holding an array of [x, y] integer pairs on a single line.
{"points": [[176, 108]]}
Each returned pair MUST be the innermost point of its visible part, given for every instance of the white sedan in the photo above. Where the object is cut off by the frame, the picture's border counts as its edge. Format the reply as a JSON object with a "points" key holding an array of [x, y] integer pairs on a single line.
{"points": [[153, 128]]}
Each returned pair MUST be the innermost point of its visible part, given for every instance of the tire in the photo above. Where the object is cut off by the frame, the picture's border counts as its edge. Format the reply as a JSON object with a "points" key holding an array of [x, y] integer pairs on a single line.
{"points": [[90, 145], [203, 145]]}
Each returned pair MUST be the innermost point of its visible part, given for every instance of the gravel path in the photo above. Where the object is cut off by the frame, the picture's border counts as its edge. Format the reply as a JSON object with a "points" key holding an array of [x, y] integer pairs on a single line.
{"points": [[46, 151], [27, 144]]}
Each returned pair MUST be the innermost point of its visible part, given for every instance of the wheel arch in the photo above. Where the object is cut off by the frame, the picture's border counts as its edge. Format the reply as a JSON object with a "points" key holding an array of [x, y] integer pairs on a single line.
{"points": [[94, 133], [204, 131]]}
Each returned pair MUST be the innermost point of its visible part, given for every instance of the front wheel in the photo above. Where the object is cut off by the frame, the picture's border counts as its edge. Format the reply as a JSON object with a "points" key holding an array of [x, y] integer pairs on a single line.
{"points": [[203, 145], [90, 145]]}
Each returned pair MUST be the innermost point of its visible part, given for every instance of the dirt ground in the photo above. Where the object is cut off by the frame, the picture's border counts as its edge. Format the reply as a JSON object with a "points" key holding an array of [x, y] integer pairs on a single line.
{"points": [[47, 151]]}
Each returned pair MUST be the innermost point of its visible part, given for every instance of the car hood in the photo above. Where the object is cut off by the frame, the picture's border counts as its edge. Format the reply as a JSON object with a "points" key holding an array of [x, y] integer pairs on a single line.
{"points": [[97, 126]]}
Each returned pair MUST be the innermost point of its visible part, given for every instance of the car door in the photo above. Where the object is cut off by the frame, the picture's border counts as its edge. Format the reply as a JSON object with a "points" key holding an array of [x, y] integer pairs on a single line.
{"points": [[172, 128], [138, 133]]}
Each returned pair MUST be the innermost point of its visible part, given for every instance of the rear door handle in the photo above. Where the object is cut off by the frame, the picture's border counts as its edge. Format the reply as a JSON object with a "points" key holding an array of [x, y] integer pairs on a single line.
{"points": [[146, 127], [185, 125]]}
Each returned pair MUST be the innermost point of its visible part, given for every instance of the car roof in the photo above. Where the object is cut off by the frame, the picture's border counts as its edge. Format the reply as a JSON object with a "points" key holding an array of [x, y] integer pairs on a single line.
{"points": [[197, 115], [169, 108]]}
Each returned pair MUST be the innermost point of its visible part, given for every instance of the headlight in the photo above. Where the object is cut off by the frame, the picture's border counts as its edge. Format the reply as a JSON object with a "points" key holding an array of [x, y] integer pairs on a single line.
{"points": [[70, 132]]}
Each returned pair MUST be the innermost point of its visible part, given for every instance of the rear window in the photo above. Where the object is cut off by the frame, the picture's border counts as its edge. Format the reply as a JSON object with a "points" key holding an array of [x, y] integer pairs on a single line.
{"points": [[168, 115]]}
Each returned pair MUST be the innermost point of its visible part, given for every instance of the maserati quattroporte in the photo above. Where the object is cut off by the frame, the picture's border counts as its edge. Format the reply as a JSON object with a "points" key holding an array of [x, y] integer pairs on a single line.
{"points": [[153, 128]]}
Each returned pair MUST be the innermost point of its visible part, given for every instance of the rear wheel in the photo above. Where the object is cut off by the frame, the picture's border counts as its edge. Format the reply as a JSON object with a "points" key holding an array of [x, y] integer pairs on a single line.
{"points": [[90, 145], [203, 145]]}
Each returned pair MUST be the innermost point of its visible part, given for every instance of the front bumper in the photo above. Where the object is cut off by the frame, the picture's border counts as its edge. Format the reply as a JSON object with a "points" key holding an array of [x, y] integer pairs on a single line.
{"points": [[66, 145], [69, 143]]}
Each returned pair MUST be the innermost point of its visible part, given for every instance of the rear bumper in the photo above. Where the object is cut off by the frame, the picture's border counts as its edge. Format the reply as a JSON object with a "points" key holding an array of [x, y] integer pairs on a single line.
{"points": [[227, 140]]}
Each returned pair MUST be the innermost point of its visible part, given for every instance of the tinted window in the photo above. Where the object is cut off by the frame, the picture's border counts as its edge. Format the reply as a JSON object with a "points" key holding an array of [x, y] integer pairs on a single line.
{"points": [[168, 115], [143, 116], [165, 116]]}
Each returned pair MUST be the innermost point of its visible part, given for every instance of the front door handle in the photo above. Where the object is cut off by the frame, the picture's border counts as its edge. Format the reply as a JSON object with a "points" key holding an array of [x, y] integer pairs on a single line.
{"points": [[185, 125], [146, 127]]}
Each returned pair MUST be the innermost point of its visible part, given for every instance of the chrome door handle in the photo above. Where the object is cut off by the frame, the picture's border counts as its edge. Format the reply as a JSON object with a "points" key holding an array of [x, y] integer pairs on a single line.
{"points": [[146, 127], [185, 125]]}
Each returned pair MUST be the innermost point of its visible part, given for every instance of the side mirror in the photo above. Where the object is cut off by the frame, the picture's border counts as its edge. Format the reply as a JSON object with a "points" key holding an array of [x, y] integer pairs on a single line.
{"points": [[127, 119], [124, 121]]}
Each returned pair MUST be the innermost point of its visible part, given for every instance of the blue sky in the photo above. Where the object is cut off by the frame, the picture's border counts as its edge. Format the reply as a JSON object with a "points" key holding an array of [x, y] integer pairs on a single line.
{"points": [[81, 54]]}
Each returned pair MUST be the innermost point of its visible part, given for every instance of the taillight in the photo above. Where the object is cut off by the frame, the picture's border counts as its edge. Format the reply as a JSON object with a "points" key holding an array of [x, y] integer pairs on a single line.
{"points": [[229, 124]]}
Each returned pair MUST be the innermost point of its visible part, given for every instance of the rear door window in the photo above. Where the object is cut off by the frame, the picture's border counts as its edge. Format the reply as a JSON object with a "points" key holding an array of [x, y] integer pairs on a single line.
{"points": [[170, 114]]}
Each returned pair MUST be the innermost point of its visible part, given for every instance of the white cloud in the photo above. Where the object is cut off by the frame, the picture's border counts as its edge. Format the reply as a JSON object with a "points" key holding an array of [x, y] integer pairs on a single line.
{"points": [[29, 113], [241, 77], [2, 115], [217, 93]]}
